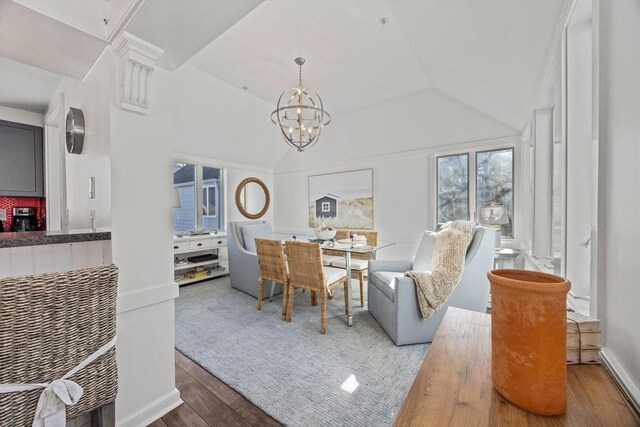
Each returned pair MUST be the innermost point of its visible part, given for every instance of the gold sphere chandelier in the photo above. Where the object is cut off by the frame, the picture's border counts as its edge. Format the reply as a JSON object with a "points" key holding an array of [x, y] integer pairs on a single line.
{"points": [[300, 114]]}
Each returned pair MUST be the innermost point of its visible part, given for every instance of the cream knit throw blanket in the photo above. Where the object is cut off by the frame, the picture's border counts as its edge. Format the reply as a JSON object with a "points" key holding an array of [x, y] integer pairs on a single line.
{"points": [[449, 251]]}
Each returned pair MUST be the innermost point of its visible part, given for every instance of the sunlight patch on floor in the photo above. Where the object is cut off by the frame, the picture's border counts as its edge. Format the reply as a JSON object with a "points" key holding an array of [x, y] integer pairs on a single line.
{"points": [[351, 384]]}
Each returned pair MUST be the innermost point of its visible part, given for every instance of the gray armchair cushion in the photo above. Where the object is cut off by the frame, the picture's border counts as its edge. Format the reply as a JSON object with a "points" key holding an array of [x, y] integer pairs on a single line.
{"points": [[385, 281], [422, 261], [399, 314], [252, 231]]}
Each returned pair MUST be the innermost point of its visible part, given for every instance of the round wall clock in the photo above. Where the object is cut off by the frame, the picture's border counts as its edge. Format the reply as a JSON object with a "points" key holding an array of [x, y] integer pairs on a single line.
{"points": [[75, 130]]}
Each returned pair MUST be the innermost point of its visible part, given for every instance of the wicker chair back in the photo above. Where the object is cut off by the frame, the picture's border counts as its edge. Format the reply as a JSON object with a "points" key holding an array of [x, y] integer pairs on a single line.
{"points": [[49, 323], [305, 265], [271, 260]]}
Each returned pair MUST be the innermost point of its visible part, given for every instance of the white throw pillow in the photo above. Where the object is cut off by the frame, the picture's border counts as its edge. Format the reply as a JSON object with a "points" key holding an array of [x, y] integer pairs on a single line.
{"points": [[422, 261]]}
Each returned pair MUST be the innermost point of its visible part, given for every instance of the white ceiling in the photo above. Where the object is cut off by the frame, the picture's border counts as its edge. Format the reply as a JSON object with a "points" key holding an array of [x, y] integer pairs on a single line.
{"points": [[35, 39], [488, 54], [88, 18], [25, 87], [352, 60], [184, 27]]}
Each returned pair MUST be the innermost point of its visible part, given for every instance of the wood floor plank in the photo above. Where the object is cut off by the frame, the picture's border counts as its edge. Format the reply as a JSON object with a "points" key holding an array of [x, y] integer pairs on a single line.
{"points": [[213, 384], [158, 423], [254, 415], [206, 404], [183, 416]]}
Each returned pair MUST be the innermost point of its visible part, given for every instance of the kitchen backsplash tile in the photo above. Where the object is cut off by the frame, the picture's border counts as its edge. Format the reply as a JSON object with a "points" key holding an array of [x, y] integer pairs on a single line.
{"points": [[9, 202]]}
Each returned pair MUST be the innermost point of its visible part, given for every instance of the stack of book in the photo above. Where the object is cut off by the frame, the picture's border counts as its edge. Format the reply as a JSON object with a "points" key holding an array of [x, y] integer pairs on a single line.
{"points": [[582, 339]]}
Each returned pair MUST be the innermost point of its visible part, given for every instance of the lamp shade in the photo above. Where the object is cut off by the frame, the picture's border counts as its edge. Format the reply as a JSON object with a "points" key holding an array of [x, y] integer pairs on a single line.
{"points": [[494, 215], [176, 198]]}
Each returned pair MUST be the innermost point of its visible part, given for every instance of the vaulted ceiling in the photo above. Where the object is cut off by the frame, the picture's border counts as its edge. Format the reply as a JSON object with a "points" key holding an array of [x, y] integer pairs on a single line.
{"points": [[490, 55], [484, 60]]}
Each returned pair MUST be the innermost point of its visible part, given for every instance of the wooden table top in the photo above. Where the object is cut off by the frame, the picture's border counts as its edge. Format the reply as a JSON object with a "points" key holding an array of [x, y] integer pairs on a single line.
{"points": [[454, 388]]}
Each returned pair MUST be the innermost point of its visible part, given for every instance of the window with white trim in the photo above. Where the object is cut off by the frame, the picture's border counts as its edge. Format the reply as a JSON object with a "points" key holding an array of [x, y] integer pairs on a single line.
{"points": [[197, 185], [486, 196], [326, 207]]}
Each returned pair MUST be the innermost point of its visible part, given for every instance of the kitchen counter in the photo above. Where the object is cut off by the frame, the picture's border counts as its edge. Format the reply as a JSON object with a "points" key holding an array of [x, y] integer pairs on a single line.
{"points": [[50, 237]]}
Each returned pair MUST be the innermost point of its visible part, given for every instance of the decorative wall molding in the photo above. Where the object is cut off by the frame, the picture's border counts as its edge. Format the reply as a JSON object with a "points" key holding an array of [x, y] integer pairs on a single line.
{"points": [[622, 377], [145, 297], [136, 64], [153, 411]]}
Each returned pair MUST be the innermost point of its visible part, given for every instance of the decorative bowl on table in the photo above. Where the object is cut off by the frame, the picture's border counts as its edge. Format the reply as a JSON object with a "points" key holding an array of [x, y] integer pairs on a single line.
{"points": [[325, 234]]}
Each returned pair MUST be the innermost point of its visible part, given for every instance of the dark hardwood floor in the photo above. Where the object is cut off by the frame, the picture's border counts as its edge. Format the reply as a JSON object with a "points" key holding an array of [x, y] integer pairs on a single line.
{"points": [[209, 402]]}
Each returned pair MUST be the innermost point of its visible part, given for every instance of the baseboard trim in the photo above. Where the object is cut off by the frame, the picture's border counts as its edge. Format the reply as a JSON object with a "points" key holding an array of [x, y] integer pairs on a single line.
{"points": [[624, 380], [152, 412], [145, 297]]}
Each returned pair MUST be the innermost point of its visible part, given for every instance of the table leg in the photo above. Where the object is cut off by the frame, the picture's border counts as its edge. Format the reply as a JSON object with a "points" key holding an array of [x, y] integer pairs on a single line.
{"points": [[347, 262]]}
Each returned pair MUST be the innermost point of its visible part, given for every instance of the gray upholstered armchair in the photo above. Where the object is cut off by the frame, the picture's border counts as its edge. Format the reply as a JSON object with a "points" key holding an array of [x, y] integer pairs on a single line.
{"points": [[243, 260], [393, 301]]}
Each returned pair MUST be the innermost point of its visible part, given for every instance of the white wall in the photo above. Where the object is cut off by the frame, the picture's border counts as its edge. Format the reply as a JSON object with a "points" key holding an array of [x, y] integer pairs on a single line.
{"points": [[218, 125], [141, 206], [619, 183], [130, 156], [421, 120], [397, 139], [20, 116], [92, 96], [403, 187], [217, 121]]}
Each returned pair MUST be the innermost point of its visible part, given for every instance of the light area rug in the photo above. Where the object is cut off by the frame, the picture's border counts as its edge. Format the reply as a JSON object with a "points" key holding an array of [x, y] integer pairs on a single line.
{"points": [[289, 370]]}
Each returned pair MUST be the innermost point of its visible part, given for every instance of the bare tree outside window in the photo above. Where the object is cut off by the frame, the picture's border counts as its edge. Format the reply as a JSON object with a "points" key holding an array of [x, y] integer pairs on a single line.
{"points": [[453, 187], [494, 183]]}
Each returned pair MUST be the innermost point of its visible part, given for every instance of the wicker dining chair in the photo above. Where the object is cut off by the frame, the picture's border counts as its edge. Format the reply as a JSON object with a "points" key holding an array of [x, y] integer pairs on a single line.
{"points": [[306, 272], [272, 266], [49, 324], [359, 262]]}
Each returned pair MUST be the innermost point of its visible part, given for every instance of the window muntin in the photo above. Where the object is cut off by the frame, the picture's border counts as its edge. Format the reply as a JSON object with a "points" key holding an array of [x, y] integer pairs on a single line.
{"points": [[453, 187], [209, 201]]}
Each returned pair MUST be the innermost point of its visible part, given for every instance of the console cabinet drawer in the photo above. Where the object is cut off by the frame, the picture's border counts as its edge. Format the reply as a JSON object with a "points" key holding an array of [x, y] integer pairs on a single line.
{"points": [[219, 242], [180, 247], [200, 244]]}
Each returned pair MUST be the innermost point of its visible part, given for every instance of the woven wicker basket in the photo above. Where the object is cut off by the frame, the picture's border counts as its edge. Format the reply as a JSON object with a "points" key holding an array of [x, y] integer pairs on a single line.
{"points": [[49, 323]]}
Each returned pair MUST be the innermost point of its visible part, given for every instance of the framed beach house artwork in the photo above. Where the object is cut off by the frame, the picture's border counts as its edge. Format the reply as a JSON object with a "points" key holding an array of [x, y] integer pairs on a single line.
{"points": [[342, 200]]}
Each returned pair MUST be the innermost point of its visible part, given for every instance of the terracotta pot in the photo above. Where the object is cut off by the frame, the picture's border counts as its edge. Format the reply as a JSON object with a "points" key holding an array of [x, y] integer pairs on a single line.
{"points": [[529, 339]]}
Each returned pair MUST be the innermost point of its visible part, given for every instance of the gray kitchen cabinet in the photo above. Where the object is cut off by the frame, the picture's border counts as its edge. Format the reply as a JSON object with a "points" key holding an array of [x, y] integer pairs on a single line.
{"points": [[21, 162]]}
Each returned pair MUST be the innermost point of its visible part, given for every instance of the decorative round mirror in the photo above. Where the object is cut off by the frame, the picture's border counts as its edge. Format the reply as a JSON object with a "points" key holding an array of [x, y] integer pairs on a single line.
{"points": [[252, 198]]}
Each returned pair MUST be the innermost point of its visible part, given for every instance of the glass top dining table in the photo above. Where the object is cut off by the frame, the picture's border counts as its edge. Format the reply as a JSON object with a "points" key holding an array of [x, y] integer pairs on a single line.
{"points": [[347, 249]]}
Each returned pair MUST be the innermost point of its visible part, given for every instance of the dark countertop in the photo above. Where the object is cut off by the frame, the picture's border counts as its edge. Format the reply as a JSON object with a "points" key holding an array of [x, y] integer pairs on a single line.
{"points": [[50, 237]]}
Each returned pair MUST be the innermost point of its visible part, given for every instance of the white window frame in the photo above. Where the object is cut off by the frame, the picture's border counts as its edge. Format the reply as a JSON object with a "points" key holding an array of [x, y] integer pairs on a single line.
{"points": [[472, 150], [222, 197], [328, 207], [204, 202]]}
